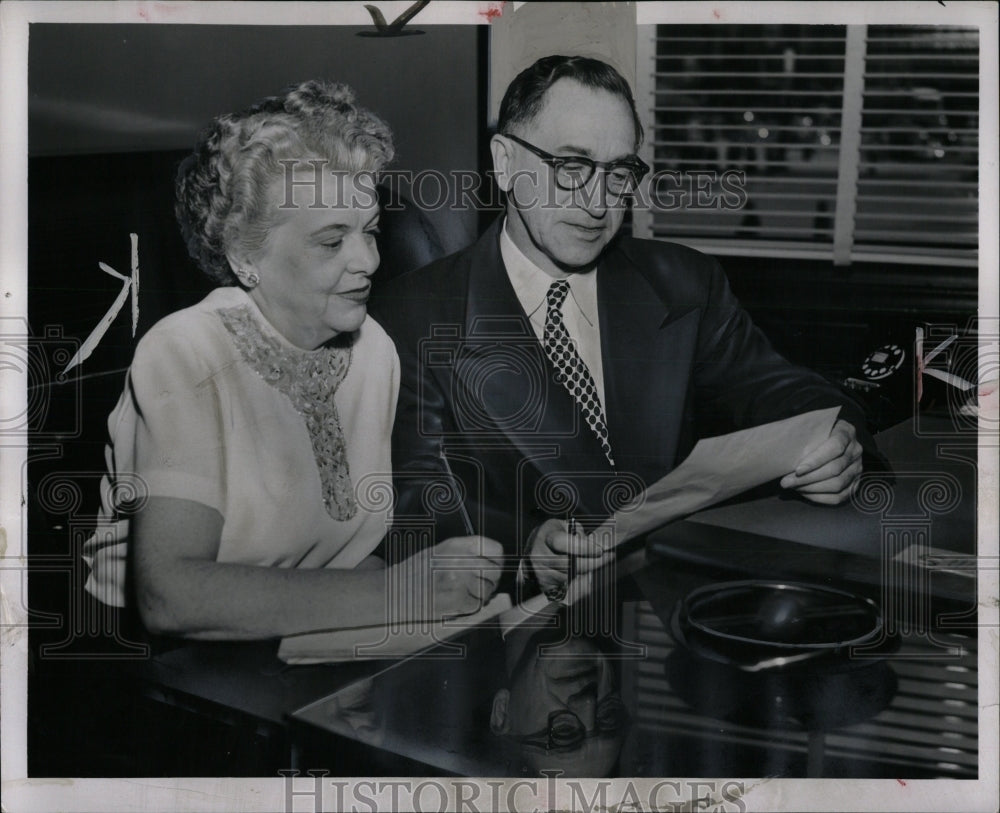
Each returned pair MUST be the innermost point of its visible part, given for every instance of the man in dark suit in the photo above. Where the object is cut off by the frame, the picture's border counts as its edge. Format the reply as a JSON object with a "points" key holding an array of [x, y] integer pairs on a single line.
{"points": [[555, 367]]}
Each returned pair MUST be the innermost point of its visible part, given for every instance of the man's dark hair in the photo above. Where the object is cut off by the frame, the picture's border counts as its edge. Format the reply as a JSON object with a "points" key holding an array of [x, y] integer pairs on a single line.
{"points": [[525, 95]]}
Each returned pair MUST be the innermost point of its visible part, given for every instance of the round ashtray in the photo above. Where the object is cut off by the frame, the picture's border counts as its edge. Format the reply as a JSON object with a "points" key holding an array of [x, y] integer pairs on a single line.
{"points": [[762, 618]]}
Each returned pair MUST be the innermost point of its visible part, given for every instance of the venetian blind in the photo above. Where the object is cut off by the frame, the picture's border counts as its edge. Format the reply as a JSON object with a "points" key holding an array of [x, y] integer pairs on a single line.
{"points": [[829, 142], [918, 170]]}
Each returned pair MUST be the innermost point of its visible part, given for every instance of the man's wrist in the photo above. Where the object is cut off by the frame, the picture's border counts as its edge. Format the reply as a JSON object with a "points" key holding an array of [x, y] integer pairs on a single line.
{"points": [[527, 580]]}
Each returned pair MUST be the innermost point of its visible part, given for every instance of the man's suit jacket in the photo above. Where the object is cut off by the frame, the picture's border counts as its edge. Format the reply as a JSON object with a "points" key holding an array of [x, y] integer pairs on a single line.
{"points": [[679, 355]]}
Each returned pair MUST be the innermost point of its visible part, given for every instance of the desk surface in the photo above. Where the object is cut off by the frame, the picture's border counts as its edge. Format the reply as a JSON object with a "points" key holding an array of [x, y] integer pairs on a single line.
{"points": [[908, 713], [934, 473], [911, 714], [245, 679]]}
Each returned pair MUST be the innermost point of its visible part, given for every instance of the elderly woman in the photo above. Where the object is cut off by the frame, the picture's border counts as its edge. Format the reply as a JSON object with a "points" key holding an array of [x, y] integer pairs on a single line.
{"points": [[253, 423]]}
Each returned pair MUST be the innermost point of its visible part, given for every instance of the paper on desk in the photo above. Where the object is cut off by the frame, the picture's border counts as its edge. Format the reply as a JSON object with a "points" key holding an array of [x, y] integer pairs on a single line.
{"points": [[381, 641], [719, 468]]}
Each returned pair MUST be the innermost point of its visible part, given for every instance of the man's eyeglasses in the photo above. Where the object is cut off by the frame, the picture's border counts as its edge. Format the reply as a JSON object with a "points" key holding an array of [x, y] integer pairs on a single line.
{"points": [[566, 731], [574, 171]]}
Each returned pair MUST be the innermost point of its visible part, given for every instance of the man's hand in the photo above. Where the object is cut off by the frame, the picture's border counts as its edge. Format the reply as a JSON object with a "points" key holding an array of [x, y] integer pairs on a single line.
{"points": [[828, 473], [550, 547]]}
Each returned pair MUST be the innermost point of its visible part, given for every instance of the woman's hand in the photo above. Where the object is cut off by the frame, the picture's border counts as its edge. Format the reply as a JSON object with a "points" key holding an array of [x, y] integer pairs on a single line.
{"points": [[455, 577]]}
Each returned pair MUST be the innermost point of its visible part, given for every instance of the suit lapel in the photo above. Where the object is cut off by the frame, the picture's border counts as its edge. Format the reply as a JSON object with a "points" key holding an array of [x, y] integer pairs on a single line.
{"points": [[504, 372], [645, 347]]}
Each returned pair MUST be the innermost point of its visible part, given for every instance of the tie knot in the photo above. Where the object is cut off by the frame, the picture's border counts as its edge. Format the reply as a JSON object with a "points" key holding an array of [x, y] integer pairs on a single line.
{"points": [[557, 294]]}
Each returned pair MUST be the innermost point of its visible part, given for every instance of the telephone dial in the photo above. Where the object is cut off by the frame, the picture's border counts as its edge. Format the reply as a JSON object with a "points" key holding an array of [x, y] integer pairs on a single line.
{"points": [[883, 362]]}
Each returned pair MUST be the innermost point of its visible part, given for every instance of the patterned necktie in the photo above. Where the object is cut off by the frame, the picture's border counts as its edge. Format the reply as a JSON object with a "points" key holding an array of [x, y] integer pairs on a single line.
{"points": [[571, 372]]}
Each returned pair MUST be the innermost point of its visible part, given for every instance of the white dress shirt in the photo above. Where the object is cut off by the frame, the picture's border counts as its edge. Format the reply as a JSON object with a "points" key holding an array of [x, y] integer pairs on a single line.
{"points": [[531, 284]]}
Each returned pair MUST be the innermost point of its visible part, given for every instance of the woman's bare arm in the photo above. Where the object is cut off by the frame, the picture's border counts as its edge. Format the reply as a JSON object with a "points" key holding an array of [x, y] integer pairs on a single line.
{"points": [[182, 590]]}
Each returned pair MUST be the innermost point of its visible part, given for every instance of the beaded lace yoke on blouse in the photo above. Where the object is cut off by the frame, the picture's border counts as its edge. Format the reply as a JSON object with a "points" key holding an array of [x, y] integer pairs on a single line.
{"points": [[309, 380]]}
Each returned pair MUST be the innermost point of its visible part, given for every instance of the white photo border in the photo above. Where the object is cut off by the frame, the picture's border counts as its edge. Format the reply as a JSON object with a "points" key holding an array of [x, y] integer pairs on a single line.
{"points": [[220, 794]]}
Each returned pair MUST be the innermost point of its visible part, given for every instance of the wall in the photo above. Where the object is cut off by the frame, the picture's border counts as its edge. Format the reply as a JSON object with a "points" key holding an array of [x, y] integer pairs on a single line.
{"points": [[135, 88]]}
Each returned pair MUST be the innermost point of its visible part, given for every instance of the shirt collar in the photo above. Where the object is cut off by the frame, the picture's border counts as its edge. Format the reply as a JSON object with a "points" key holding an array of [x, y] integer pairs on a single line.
{"points": [[531, 283]]}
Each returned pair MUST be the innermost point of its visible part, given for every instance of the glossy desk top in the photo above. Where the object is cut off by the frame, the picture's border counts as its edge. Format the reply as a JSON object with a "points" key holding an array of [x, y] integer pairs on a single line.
{"points": [[933, 481], [905, 708], [908, 709]]}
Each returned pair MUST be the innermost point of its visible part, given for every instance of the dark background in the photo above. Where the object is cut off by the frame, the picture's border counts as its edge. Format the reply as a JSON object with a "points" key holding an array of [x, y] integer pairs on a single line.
{"points": [[112, 111]]}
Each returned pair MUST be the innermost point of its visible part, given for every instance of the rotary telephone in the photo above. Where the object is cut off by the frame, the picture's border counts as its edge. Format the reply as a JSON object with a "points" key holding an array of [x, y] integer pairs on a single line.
{"points": [[934, 373]]}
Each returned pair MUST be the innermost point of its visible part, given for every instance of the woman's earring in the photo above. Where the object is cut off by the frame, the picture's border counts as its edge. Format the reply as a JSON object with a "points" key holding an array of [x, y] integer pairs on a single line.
{"points": [[249, 279]]}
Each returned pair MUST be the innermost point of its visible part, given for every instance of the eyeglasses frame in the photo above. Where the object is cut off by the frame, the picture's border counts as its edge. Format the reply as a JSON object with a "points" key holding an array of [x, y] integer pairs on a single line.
{"points": [[636, 166], [543, 738]]}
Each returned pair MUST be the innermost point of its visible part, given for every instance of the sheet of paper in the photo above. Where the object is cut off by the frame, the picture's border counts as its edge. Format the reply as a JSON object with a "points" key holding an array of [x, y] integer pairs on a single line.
{"points": [[373, 643], [719, 468]]}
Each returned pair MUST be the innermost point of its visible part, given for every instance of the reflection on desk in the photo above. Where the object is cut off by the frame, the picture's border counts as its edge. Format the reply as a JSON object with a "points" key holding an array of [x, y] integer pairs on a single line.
{"points": [[908, 710], [903, 707], [913, 714]]}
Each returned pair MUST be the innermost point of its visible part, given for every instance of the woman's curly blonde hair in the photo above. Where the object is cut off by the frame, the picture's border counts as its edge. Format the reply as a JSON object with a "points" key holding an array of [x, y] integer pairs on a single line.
{"points": [[223, 187]]}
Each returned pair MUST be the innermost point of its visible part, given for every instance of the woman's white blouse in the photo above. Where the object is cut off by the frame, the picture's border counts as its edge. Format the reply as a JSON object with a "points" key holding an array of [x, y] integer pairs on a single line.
{"points": [[219, 409]]}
